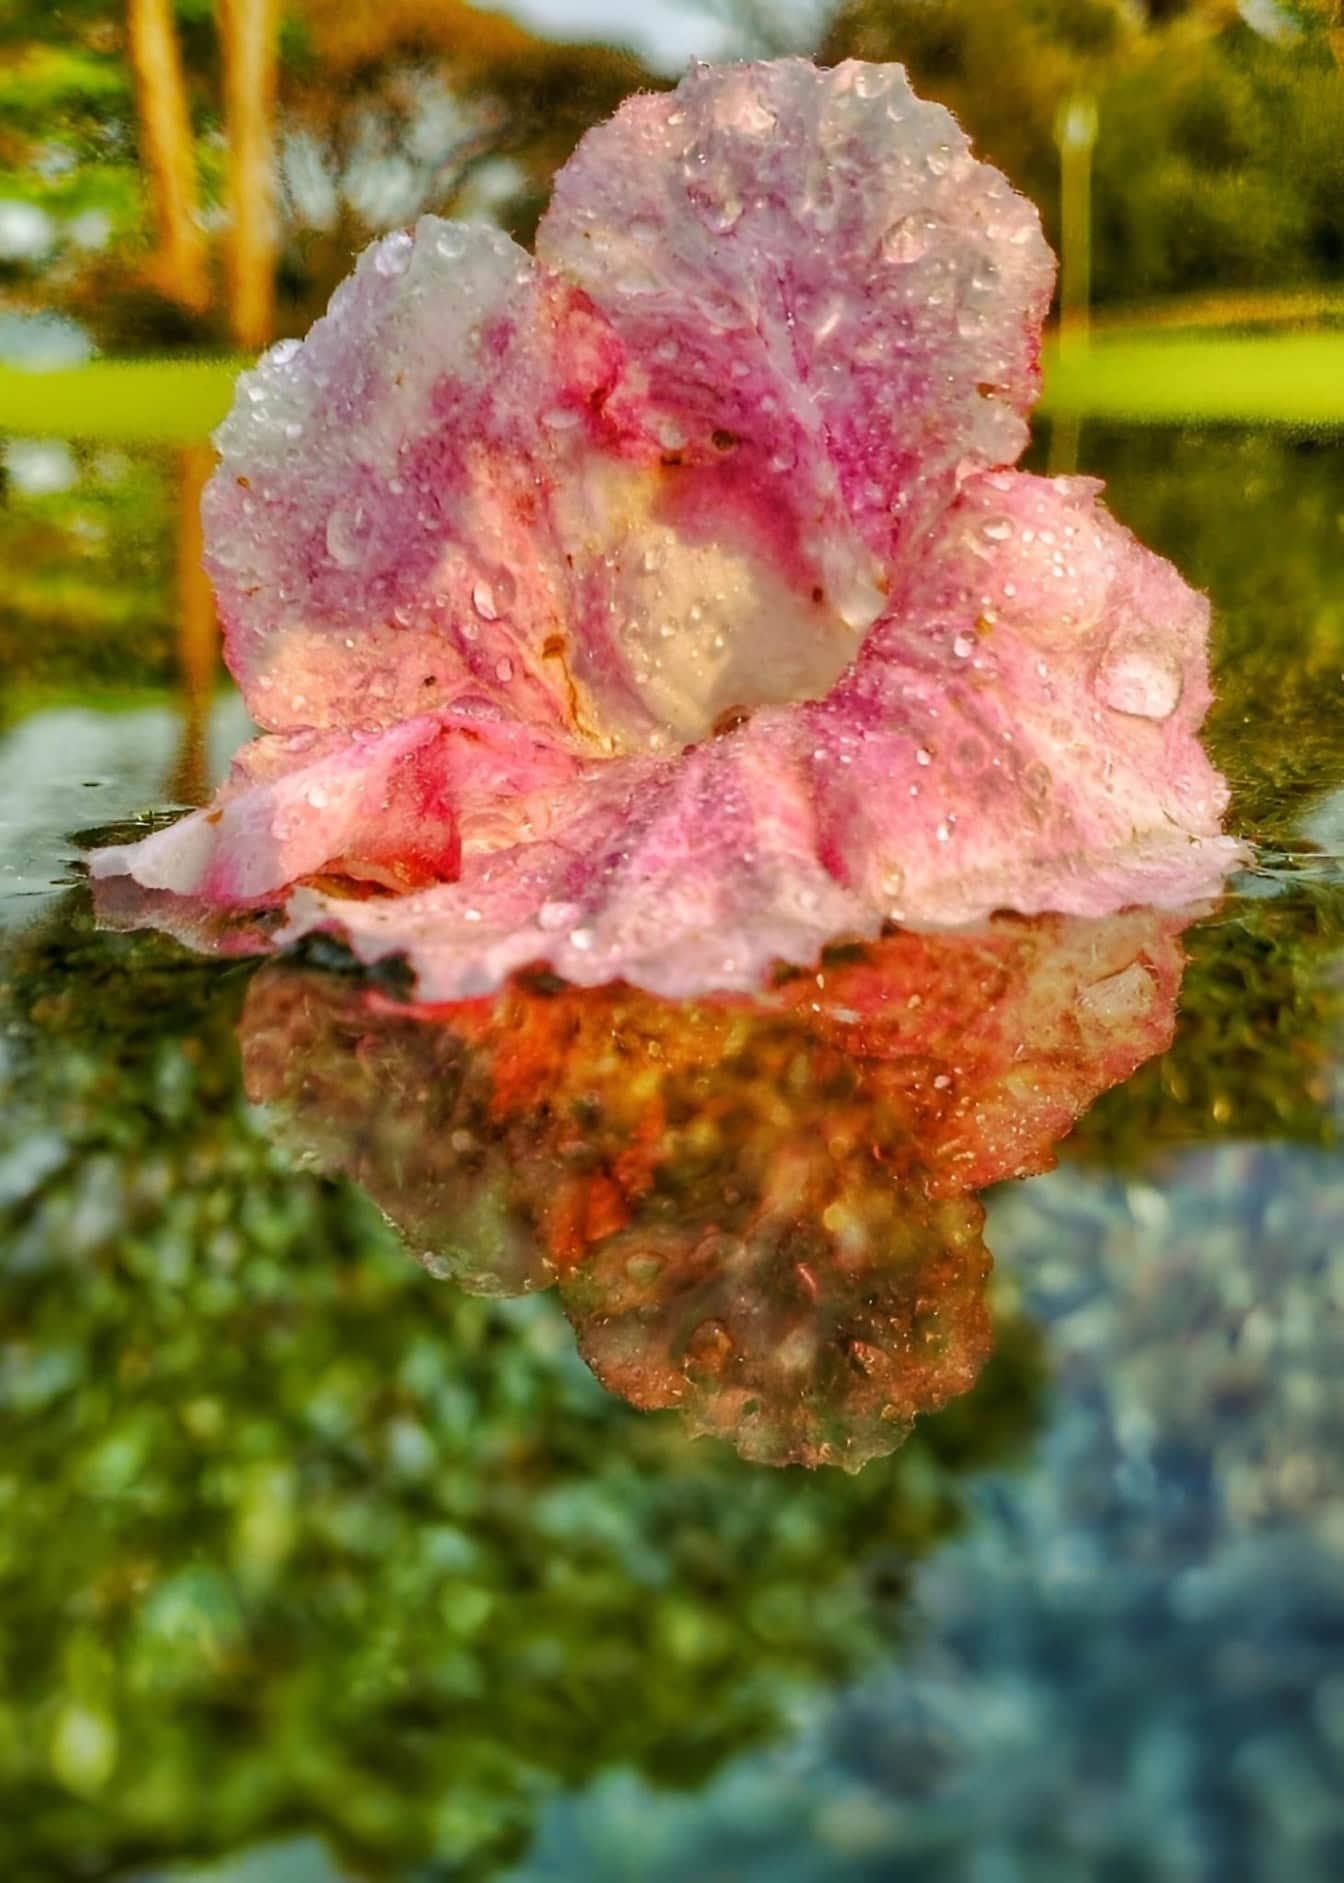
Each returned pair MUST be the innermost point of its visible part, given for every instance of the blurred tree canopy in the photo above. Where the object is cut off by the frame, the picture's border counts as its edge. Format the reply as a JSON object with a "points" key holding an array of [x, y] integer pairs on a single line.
{"points": [[1219, 162], [384, 108], [1219, 159]]}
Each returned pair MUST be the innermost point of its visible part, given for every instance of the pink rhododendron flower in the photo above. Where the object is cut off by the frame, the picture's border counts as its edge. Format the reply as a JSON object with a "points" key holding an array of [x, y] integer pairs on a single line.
{"points": [[663, 606]]}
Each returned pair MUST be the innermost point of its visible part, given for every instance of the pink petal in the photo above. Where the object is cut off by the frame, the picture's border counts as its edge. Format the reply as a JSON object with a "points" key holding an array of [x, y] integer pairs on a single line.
{"points": [[375, 531], [677, 875], [814, 262], [398, 808], [1022, 730]]}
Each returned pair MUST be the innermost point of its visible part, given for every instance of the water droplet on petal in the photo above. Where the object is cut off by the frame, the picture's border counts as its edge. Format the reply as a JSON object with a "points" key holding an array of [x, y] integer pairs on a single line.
{"points": [[556, 915], [1140, 679], [392, 256], [908, 239], [345, 534], [483, 601], [710, 1345]]}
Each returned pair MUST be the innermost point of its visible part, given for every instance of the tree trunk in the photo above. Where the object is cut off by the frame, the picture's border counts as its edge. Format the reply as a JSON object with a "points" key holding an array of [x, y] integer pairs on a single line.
{"points": [[248, 32], [168, 153]]}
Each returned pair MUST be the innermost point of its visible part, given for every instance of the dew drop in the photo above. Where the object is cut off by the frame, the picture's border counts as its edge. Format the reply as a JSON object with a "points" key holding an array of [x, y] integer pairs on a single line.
{"points": [[556, 915], [727, 212], [1143, 681], [345, 530], [483, 601], [392, 257], [710, 1344], [908, 239]]}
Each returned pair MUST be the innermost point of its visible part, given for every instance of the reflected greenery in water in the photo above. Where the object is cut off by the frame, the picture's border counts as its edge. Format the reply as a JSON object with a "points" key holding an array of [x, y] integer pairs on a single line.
{"points": [[322, 1540]]}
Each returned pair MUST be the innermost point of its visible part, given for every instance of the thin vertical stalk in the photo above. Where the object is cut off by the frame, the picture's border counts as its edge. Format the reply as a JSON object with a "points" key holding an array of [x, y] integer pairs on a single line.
{"points": [[197, 628], [1076, 135], [168, 152], [1076, 132], [248, 31]]}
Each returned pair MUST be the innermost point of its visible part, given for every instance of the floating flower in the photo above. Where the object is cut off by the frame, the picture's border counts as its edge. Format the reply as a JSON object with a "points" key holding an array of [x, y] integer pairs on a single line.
{"points": [[759, 1208], [663, 606]]}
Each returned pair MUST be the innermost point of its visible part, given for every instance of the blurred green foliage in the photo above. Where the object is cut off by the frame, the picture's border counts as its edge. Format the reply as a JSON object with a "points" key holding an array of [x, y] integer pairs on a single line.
{"points": [[387, 108], [294, 1534], [87, 605], [1219, 159], [1219, 162]]}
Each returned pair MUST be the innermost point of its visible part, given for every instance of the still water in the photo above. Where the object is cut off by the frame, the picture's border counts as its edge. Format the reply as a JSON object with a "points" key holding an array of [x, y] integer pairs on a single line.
{"points": [[319, 1562]]}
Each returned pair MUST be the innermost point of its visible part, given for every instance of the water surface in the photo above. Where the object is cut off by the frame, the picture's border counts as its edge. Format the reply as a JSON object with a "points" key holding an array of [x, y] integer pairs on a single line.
{"points": [[316, 1566]]}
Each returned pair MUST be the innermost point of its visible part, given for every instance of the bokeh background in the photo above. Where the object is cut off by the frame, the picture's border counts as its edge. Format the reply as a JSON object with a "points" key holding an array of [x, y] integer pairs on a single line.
{"points": [[182, 182], [312, 1568]]}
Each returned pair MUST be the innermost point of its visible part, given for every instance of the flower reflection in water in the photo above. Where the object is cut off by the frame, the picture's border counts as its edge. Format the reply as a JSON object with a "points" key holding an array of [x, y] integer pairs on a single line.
{"points": [[761, 1210]]}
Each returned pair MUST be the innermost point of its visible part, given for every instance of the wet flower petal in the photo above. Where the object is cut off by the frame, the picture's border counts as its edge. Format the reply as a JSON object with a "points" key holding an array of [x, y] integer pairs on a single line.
{"points": [[374, 530], [707, 505], [399, 808], [815, 262]]}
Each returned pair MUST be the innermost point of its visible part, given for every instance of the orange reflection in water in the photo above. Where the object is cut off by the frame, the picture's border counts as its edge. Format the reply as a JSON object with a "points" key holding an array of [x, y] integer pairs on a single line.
{"points": [[762, 1211]]}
